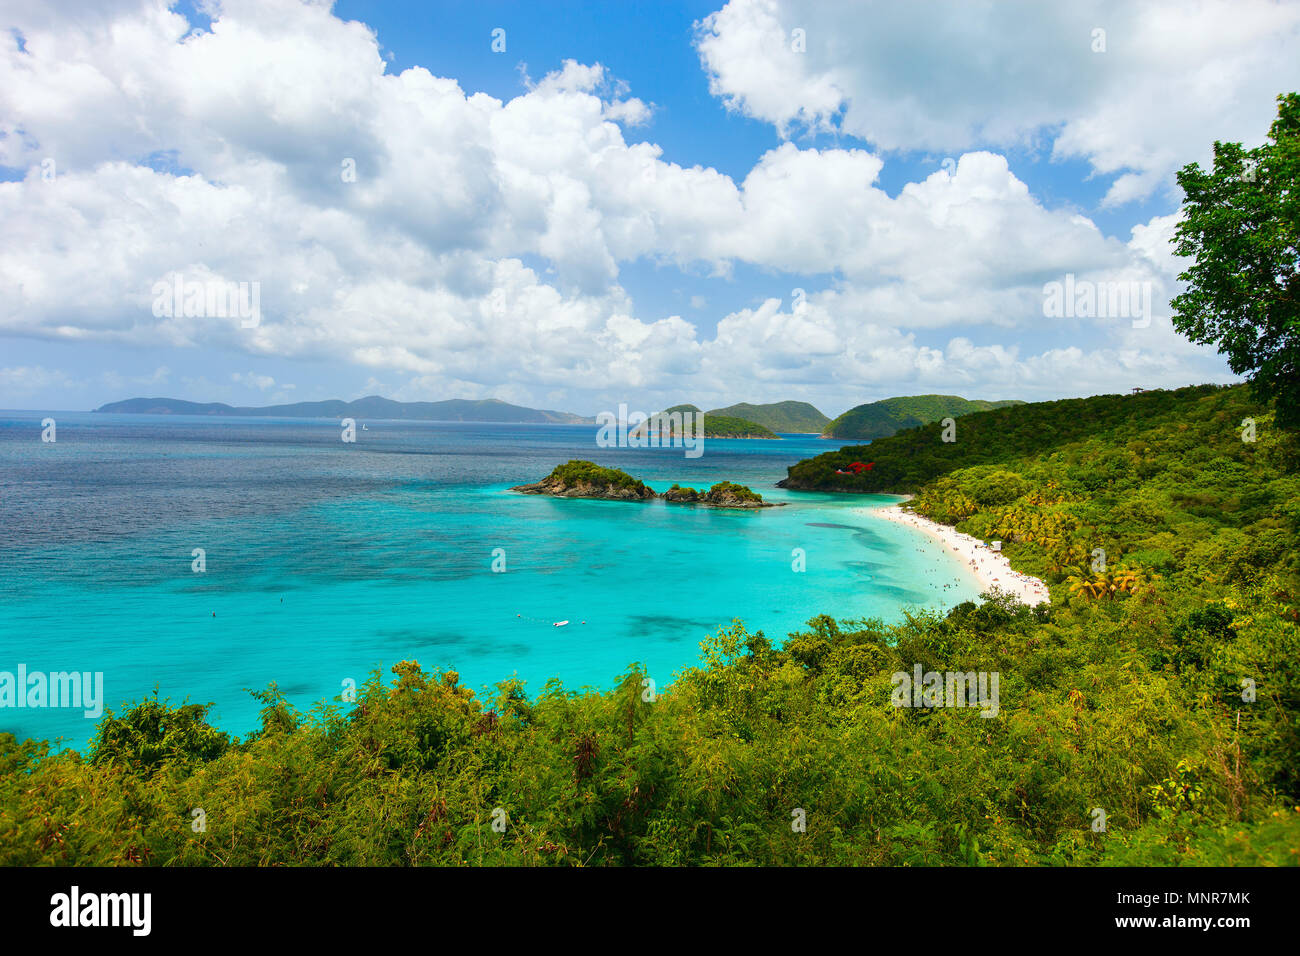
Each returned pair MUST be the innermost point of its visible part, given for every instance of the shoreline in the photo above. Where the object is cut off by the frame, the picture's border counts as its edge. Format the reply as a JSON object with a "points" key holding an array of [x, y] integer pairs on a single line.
{"points": [[991, 568]]}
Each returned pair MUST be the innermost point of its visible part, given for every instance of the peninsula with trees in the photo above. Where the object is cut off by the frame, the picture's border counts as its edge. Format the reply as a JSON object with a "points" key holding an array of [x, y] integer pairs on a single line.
{"points": [[891, 415]]}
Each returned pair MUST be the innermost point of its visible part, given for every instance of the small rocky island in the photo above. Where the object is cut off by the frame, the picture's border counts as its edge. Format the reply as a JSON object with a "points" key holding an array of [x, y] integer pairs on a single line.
{"points": [[585, 479]]}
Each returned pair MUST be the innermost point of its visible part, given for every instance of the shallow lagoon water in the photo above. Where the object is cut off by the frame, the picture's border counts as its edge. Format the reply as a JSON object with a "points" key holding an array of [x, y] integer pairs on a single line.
{"points": [[326, 561]]}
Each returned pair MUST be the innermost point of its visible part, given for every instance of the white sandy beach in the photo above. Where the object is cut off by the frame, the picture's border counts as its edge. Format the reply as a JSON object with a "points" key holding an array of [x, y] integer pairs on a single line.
{"points": [[991, 568]]}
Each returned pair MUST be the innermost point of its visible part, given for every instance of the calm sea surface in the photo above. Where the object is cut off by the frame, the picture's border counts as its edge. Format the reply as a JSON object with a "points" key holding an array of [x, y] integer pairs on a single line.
{"points": [[326, 560]]}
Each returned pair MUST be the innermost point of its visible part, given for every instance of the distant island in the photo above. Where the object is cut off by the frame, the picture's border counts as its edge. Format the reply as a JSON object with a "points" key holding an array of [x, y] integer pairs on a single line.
{"points": [[715, 426], [743, 420], [372, 407], [752, 421], [792, 418], [585, 479], [891, 415]]}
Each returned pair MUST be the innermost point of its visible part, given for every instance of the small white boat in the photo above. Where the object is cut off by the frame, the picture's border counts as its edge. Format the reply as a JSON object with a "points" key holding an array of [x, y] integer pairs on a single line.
{"points": [[559, 624]]}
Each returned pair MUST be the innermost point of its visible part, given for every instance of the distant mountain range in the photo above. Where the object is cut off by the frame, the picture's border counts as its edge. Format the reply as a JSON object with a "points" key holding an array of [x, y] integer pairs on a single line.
{"points": [[372, 407], [874, 420], [888, 416]]}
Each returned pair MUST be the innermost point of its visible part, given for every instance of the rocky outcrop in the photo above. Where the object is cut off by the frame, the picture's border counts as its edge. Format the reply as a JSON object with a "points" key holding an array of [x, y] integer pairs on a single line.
{"points": [[559, 488], [679, 495], [583, 479], [726, 494]]}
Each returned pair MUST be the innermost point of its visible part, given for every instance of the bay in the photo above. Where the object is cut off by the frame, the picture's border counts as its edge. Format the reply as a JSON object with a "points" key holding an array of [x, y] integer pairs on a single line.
{"points": [[327, 561]]}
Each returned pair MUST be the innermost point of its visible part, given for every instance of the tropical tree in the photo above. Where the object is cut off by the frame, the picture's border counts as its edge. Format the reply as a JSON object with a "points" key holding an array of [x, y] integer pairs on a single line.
{"points": [[1241, 226]]}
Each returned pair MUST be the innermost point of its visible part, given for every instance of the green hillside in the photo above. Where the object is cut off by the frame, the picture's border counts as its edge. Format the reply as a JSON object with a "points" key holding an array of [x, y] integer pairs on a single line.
{"points": [[908, 459], [1162, 475], [890, 415], [1171, 494], [722, 426], [788, 417], [719, 426]]}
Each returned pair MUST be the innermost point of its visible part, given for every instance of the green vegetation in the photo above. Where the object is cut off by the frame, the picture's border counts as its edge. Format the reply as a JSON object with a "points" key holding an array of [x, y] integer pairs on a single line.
{"points": [[578, 472], [1094, 714], [730, 491], [1241, 226], [788, 417], [906, 461], [715, 426], [891, 415], [718, 426], [1176, 498], [725, 493], [584, 479], [1126, 694]]}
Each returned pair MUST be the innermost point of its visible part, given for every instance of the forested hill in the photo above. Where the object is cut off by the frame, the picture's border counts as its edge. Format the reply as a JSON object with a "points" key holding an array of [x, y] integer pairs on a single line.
{"points": [[902, 463], [715, 426], [891, 415], [789, 417], [1195, 486]]}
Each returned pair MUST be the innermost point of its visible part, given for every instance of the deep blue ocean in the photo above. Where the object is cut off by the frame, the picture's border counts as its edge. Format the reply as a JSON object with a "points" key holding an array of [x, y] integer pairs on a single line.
{"points": [[326, 561]]}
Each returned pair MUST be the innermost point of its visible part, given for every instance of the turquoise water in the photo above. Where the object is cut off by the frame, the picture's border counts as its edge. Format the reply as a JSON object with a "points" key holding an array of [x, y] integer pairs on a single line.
{"points": [[326, 561]]}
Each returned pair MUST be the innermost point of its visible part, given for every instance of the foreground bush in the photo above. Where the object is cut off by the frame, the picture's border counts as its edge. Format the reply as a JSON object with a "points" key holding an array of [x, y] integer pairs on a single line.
{"points": [[1093, 714]]}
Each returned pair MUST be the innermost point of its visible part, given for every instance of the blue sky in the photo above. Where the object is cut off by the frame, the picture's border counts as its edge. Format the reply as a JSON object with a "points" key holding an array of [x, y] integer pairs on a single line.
{"points": [[650, 48], [628, 216]]}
